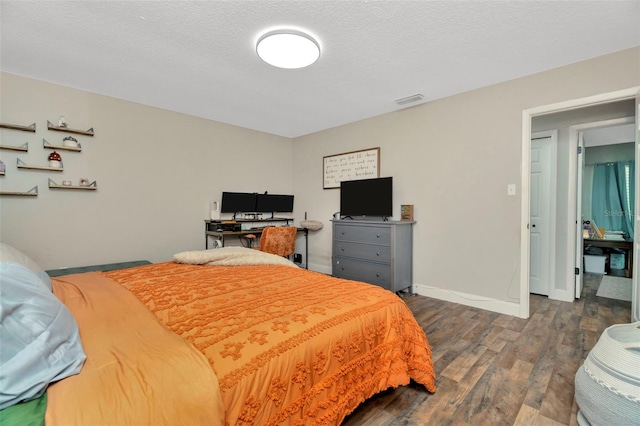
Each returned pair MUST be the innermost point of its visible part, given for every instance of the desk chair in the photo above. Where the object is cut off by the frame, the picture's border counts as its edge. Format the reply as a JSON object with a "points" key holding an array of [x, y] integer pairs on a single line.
{"points": [[279, 240]]}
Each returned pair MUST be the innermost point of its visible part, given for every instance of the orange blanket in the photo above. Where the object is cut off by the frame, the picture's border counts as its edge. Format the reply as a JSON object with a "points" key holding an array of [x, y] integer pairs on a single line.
{"points": [[137, 372], [288, 345]]}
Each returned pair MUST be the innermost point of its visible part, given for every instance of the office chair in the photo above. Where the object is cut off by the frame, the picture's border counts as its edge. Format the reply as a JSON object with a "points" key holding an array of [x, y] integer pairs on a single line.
{"points": [[279, 240]]}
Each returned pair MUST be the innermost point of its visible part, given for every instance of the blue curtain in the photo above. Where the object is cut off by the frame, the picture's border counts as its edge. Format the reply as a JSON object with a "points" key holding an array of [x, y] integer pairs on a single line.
{"points": [[613, 196]]}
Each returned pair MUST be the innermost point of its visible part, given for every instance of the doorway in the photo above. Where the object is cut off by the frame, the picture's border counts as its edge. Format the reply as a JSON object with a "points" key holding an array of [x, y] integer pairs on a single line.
{"points": [[565, 283], [603, 144]]}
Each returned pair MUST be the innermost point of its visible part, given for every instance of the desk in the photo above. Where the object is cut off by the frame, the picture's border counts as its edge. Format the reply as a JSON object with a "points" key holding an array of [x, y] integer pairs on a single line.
{"points": [[626, 245], [257, 232]]}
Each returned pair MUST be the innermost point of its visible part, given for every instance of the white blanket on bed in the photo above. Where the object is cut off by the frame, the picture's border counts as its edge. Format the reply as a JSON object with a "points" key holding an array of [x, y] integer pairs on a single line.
{"points": [[231, 256]]}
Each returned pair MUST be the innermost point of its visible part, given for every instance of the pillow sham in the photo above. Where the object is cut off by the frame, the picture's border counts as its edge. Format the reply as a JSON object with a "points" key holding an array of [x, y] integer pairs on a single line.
{"points": [[13, 255], [40, 339]]}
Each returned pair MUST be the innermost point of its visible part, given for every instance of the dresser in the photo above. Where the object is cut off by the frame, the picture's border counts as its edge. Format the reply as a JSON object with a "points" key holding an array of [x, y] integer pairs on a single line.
{"points": [[375, 252]]}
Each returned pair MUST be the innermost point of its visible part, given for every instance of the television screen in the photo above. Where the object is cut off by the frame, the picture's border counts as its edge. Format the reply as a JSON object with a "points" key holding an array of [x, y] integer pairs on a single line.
{"points": [[270, 203], [367, 197], [233, 202]]}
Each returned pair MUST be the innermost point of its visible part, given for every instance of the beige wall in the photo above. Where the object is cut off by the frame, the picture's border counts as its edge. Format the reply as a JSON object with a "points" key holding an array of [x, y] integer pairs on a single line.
{"points": [[453, 159], [157, 172]]}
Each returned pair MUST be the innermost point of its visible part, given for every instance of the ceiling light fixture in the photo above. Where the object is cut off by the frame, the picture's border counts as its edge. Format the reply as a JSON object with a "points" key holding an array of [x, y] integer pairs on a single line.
{"points": [[289, 49]]}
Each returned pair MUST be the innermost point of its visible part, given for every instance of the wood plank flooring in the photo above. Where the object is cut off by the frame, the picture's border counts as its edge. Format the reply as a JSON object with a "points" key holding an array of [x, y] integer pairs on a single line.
{"points": [[495, 369]]}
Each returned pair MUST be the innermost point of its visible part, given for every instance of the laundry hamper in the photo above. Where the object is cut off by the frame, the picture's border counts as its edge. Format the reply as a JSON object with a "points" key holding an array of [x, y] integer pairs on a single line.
{"points": [[608, 383]]}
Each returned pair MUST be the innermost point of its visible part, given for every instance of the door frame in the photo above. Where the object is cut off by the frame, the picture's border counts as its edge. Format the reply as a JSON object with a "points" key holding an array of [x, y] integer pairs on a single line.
{"points": [[553, 184], [527, 115], [574, 133]]}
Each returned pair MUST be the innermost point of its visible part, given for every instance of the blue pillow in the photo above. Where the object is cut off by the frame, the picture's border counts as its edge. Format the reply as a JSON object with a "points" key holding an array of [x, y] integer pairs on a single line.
{"points": [[40, 342], [13, 255]]}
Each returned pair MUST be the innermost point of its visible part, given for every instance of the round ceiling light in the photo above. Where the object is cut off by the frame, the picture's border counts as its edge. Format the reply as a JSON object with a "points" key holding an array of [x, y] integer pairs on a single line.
{"points": [[288, 49]]}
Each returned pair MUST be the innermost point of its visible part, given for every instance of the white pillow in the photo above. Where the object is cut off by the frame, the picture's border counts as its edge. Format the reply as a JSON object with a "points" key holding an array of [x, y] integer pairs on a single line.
{"points": [[13, 255]]}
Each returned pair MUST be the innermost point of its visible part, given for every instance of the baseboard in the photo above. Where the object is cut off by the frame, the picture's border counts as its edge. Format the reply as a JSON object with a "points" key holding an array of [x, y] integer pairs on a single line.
{"points": [[475, 301], [563, 295], [323, 269]]}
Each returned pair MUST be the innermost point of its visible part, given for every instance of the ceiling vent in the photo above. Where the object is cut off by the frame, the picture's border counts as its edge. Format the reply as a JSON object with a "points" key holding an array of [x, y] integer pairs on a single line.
{"points": [[409, 99]]}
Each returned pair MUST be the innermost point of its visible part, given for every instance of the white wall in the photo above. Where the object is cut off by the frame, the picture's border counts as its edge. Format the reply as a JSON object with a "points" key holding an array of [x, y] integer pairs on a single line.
{"points": [[157, 172], [453, 159]]}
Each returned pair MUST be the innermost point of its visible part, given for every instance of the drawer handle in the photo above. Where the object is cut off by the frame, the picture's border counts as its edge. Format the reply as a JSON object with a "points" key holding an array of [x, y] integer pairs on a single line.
{"points": [[342, 232], [342, 248], [377, 254], [378, 236], [343, 268], [377, 275]]}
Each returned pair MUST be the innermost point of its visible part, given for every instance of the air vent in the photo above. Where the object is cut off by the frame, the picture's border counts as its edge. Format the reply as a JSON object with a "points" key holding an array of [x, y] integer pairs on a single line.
{"points": [[409, 99]]}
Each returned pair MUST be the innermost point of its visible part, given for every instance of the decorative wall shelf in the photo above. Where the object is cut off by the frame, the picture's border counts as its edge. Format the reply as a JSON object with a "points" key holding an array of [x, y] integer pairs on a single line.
{"points": [[22, 148], [47, 145], [51, 126], [90, 187], [22, 165], [31, 128], [33, 192]]}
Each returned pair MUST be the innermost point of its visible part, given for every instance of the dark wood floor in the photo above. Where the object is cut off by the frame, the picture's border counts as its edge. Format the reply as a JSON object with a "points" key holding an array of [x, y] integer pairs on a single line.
{"points": [[495, 369]]}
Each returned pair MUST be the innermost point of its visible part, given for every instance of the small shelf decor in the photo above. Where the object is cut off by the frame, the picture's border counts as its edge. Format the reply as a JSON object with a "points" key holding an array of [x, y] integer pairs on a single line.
{"points": [[31, 128], [22, 148], [89, 187], [22, 165], [33, 192], [52, 126], [47, 145], [55, 160]]}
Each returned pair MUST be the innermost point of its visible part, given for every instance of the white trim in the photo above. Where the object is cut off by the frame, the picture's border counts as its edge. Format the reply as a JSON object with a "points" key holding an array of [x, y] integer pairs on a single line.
{"points": [[524, 178], [553, 184], [481, 302]]}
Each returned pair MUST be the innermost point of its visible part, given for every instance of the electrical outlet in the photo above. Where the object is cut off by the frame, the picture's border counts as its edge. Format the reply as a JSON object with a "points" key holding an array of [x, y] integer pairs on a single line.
{"points": [[511, 189]]}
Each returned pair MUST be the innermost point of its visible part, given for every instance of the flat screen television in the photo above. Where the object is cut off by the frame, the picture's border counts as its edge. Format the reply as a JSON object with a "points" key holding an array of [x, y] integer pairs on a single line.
{"points": [[272, 203], [234, 202], [367, 197]]}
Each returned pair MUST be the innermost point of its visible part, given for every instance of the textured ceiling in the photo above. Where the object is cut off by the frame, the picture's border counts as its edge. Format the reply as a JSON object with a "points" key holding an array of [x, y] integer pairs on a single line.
{"points": [[199, 57]]}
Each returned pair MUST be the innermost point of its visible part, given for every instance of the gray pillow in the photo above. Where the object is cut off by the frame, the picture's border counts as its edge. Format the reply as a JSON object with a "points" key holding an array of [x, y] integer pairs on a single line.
{"points": [[13, 255], [40, 339]]}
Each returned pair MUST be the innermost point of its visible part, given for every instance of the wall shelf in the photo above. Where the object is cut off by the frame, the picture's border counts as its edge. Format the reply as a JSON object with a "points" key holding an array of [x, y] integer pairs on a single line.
{"points": [[51, 126], [31, 128], [22, 165], [47, 145], [90, 187], [22, 148], [33, 192]]}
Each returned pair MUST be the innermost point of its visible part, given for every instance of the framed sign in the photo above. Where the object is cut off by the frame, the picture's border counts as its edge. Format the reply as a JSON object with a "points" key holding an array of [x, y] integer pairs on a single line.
{"points": [[354, 165]]}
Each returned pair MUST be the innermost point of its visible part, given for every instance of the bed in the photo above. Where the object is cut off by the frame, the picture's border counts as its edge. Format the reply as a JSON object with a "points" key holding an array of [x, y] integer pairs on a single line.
{"points": [[222, 337]]}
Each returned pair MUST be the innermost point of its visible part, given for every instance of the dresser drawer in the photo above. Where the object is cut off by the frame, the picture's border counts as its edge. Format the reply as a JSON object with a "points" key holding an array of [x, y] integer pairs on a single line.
{"points": [[363, 234], [360, 270], [362, 251]]}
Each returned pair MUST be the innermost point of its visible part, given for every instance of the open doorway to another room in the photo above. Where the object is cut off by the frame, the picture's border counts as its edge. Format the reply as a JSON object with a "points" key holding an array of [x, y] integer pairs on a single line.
{"points": [[606, 210], [568, 125]]}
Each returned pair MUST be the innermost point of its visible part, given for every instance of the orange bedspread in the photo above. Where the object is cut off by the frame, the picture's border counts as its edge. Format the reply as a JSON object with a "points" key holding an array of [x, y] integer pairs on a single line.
{"points": [[137, 372], [289, 346]]}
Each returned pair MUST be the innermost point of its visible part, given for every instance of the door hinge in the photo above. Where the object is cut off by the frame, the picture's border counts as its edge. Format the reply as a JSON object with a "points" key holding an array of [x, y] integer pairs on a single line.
{"points": [[579, 150], [577, 270]]}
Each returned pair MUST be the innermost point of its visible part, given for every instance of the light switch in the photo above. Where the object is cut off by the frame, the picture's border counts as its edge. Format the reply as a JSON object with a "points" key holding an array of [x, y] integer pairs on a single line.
{"points": [[511, 189]]}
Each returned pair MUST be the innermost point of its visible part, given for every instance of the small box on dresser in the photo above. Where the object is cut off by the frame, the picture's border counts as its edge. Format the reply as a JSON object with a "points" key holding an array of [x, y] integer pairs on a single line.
{"points": [[376, 252]]}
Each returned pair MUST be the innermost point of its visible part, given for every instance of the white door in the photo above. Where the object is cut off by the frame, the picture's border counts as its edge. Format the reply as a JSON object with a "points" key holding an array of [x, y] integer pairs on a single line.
{"points": [[635, 293], [579, 241], [540, 216]]}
